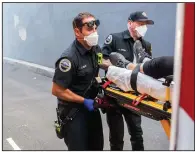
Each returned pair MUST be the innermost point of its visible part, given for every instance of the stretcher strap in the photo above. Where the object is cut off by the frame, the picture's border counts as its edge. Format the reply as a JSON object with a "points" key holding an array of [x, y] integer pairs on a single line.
{"points": [[106, 84], [136, 102], [133, 80]]}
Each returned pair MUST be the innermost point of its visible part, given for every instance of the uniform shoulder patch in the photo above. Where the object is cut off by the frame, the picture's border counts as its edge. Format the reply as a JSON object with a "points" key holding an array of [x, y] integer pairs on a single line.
{"points": [[108, 39], [65, 65]]}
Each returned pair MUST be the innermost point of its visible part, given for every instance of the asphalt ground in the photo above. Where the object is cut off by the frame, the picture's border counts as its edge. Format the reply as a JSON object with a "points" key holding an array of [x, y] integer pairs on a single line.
{"points": [[29, 113]]}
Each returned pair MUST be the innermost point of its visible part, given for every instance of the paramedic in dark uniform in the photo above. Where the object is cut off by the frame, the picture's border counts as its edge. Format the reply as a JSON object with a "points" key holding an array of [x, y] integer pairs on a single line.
{"points": [[74, 86], [123, 43]]}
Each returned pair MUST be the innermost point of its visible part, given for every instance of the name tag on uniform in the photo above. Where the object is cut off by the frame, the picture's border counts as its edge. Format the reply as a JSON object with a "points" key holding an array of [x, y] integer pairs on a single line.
{"points": [[82, 67], [122, 50]]}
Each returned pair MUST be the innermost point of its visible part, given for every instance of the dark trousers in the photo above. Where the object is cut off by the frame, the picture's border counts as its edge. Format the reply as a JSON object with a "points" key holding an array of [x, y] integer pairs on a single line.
{"points": [[84, 132], [159, 67], [116, 126]]}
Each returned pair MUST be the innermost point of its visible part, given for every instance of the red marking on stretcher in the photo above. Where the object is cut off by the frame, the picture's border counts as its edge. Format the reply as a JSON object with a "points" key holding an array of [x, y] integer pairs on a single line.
{"points": [[131, 107], [136, 102], [106, 84], [102, 103]]}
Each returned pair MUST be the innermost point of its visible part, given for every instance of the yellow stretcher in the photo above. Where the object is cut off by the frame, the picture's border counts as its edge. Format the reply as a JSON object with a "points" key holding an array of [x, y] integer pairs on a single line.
{"points": [[141, 104]]}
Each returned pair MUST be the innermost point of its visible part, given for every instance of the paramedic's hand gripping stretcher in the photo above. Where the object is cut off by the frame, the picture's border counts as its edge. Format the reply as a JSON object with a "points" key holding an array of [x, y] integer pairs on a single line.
{"points": [[130, 88]]}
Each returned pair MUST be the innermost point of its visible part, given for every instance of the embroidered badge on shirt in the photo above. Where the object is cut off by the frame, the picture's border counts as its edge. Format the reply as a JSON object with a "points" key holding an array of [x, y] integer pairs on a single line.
{"points": [[65, 65], [108, 39]]}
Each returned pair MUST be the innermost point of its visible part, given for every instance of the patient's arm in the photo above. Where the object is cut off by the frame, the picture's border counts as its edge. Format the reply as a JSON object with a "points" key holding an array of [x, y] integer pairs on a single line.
{"points": [[131, 66]]}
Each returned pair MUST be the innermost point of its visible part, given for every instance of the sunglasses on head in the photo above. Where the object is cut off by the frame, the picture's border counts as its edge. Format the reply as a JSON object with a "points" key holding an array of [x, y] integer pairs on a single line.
{"points": [[92, 23]]}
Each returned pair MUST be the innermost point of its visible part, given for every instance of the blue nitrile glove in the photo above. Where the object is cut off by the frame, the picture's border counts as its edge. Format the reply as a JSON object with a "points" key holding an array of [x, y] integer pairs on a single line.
{"points": [[89, 104]]}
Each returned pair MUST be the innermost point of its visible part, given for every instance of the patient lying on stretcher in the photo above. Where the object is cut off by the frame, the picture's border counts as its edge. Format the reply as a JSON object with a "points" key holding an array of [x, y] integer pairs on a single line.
{"points": [[157, 67], [120, 71]]}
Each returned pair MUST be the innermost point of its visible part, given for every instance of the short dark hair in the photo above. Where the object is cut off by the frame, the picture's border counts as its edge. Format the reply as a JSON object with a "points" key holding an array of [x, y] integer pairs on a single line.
{"points": [[78, 20]]}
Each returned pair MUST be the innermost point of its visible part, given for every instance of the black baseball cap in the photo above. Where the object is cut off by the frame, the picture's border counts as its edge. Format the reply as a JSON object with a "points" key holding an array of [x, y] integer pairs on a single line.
{"points": [[140, 16]]}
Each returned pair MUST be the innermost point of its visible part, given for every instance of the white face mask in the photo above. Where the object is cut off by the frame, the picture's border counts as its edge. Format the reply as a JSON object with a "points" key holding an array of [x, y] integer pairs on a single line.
{"points": [[141, 30], [92, 39], [128, 26]]}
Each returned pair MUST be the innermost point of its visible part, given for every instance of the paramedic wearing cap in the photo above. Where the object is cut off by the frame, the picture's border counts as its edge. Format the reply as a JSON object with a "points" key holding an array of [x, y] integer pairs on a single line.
{"points": [[74, 86], [123, 43]]}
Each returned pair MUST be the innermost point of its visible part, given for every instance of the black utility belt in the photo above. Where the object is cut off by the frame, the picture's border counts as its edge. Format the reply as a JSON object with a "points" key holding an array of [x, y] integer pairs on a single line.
{"points": [[67, 104], [66, 113]]}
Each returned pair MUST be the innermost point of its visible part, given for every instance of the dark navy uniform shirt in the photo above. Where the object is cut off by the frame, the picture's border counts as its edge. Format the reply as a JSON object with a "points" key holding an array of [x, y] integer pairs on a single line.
{"points": [[76, 68], [123, 43]]}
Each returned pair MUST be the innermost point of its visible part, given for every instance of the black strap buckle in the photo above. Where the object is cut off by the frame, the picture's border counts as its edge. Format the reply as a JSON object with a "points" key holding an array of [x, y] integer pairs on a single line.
{"points": [[166, 106], [168, 80]]}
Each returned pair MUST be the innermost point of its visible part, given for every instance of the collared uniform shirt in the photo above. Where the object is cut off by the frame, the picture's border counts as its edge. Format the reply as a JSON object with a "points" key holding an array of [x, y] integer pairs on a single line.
{"points": [[76, 68], [123, 43]]}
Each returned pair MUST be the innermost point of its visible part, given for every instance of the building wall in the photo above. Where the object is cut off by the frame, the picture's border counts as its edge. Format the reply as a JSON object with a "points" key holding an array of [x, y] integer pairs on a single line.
{"points": [[49, 31]]}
